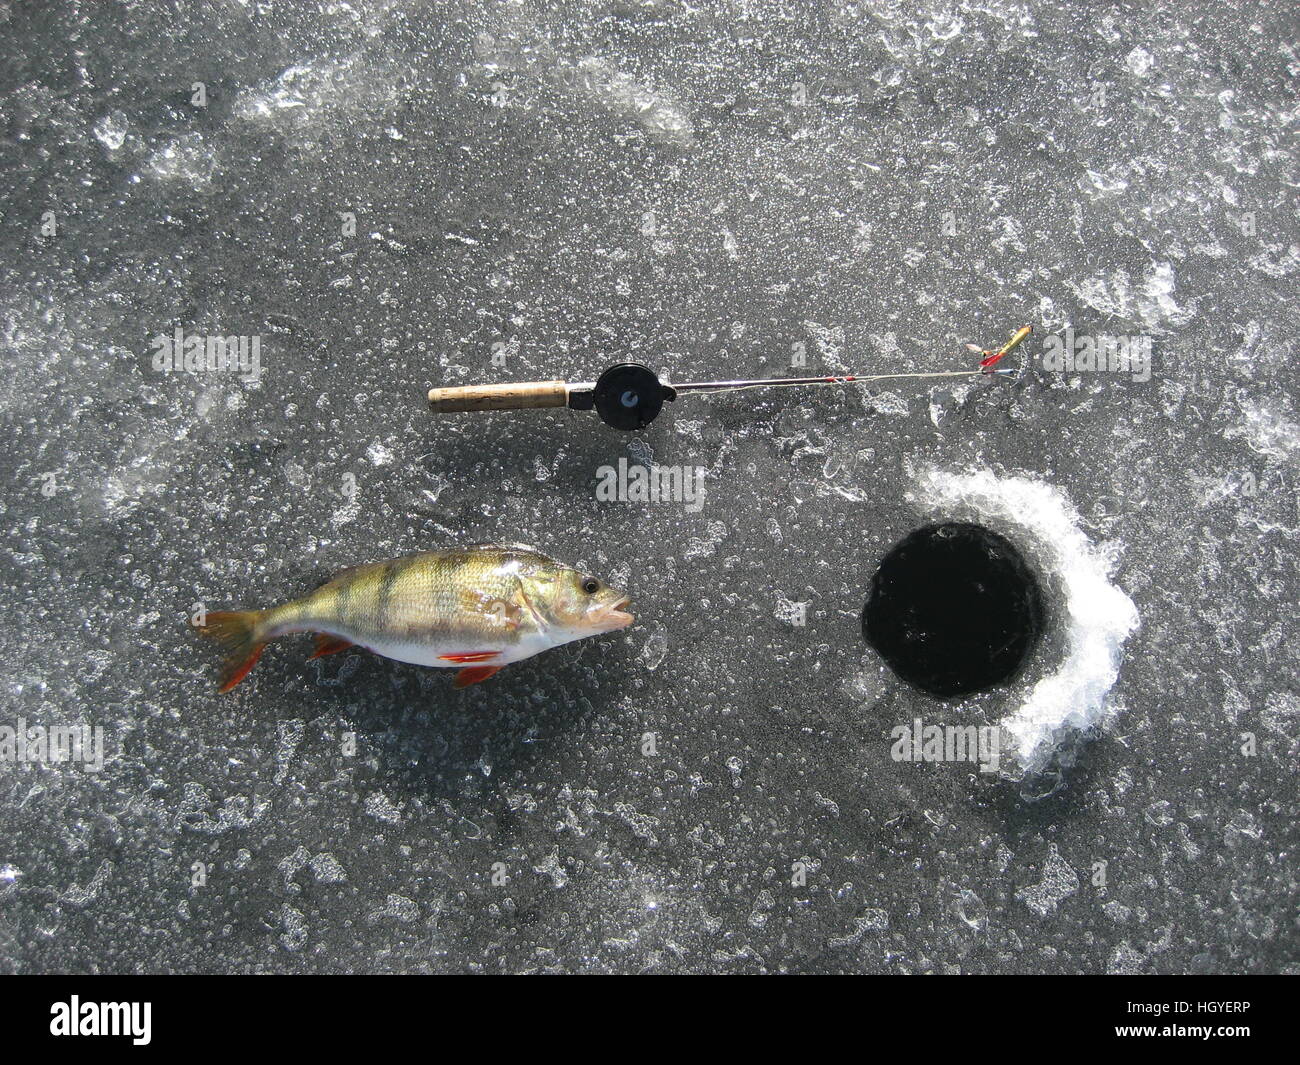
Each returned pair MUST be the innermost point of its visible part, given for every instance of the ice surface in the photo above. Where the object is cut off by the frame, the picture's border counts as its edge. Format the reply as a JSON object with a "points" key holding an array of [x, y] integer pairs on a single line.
{"points": [[393, 194]]}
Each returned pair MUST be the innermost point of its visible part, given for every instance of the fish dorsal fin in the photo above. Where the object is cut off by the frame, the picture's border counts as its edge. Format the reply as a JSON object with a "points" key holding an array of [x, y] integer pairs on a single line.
{"points": [[525, 548], [515, 548], [529, 555], [342, 574]]}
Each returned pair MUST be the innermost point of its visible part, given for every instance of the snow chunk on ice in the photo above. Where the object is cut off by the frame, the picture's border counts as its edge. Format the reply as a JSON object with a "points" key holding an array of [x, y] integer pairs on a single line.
{"points": [[662, 117], [111, 130], [185, 159], [1266, 429], [1140, 62], [1059, 882], [656, 649], [1152, 304], [316, 92]]}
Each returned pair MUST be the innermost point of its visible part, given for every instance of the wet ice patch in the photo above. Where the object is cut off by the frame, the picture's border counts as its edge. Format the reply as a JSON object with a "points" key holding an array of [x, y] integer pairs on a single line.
{"points": [[1096, 616]]}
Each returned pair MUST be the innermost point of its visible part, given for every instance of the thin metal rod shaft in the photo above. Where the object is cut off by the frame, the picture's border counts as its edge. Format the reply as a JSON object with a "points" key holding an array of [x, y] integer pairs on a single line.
{"points": [[844, 379]]}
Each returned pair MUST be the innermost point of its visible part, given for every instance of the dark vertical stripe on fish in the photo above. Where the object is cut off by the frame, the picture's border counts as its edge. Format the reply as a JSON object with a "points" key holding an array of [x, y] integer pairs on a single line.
{"points": [[404, 566], [387, 578], [343, 601]]}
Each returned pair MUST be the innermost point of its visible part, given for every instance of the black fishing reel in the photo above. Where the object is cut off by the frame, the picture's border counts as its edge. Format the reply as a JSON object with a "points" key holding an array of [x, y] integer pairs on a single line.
{"points": [[627, 396]]}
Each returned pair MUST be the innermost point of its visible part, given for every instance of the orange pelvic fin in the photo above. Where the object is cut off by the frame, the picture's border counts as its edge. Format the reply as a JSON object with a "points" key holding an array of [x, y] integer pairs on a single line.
{"points": [[237, 631], [329, 645], [474, 675], [471, 656]]}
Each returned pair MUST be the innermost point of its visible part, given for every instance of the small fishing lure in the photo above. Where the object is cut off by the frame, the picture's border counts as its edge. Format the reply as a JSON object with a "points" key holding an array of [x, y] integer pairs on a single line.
{"points": [[992, 358], [630, 396]]}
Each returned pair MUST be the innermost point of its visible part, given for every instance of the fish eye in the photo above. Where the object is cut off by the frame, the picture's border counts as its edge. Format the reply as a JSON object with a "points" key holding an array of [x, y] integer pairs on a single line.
{"points": [[590, 585]]}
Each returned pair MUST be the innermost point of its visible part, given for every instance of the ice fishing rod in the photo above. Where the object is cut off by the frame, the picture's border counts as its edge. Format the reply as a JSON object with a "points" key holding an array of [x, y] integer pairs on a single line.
{"points": [[630, 396]]}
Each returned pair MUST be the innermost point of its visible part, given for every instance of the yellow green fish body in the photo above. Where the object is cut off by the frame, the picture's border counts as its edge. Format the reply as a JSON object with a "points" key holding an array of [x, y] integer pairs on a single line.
{"points": [[475, 609]]}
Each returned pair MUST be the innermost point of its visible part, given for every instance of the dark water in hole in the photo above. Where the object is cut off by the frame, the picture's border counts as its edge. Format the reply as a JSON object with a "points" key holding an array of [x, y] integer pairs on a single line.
{"points": [[954, 609]]}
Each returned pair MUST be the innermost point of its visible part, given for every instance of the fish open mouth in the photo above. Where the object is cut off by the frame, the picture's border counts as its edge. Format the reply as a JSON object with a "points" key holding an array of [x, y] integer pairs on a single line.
{"points": [[615, 616]]}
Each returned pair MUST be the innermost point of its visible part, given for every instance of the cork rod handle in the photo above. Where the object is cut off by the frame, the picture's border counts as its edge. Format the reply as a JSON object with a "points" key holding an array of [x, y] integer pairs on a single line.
{"points": [[517, 396]]}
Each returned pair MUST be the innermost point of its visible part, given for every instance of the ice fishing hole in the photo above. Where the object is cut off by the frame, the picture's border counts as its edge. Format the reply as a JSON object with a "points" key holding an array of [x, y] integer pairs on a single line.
{"points": [[954, 609]]}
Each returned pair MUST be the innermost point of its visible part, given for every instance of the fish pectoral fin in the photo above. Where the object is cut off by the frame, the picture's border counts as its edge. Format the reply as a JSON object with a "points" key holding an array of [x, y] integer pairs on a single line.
{"points": [[504, 613], [330, 645], [471, 656], [474, 675]]}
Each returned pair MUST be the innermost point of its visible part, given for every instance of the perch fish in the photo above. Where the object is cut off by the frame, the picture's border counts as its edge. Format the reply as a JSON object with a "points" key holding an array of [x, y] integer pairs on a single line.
{"points": [[475, 609]]}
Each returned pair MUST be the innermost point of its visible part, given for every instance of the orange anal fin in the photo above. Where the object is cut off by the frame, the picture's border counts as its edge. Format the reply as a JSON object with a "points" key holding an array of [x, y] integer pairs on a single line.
{"points": [[471, 656], [237, 671], [474, 675], [330, 645]]}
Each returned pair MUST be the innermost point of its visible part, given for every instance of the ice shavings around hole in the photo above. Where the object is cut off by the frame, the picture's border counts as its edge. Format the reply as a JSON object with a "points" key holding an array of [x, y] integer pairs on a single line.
{"points": [[1097, 617]]}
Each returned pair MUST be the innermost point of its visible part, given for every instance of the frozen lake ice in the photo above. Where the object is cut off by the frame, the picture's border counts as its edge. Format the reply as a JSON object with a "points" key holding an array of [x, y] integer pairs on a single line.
{"points": [[380, 197]]}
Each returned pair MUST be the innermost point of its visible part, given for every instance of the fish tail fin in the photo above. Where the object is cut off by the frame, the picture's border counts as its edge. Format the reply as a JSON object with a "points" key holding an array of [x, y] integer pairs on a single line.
{"points": [[240, 633]]}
